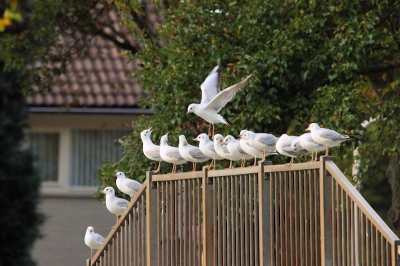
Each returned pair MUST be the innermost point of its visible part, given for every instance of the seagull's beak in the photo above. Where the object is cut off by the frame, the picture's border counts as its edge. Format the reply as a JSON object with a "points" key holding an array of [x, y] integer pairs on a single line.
{"points": [[102, 192], [196, 139], [308, 129], [151, 129], [166, 134]]}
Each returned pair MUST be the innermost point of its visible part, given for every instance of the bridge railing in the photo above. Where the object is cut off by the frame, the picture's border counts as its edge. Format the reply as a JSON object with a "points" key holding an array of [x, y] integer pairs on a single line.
{"points": [[305, 214]]}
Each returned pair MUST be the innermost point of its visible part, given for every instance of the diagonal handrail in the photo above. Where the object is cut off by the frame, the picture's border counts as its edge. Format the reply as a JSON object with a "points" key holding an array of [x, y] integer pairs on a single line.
{"points": [[117, 227], [360, 201]]}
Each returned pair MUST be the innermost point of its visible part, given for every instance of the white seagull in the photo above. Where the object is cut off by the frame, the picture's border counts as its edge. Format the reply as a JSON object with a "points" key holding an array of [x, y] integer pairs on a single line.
{"points": [[213, 100], [170, 154], [306, 142], [244, 144], [127, 185], [261, 141], [222, 150], [207, 147], [327, 137], [114, 204], [234, 148], [150, 150], [191, 153], [283, 146], [93, 240]]}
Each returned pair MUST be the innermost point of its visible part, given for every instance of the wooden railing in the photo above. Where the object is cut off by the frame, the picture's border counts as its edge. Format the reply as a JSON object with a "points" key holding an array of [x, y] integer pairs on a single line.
{"points": [[305, 214]]}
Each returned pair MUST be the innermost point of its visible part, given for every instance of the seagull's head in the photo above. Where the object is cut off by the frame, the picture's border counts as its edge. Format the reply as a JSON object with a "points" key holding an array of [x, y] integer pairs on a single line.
{"points": [[242, 132], [182, 140], [164, 139], [218, 139], [146, 133], [120, 175], [295, 146], [245, 136], [108, 191], [90, 229], [192, 108], [227, 139], [312, 126], [201, 137]]}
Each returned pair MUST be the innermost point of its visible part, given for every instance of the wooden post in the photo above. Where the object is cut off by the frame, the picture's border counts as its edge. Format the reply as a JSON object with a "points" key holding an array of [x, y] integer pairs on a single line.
{"points": [[208, 226], [88, 263], [396, 253], [264, 215], [325, 181], [151, 222]]}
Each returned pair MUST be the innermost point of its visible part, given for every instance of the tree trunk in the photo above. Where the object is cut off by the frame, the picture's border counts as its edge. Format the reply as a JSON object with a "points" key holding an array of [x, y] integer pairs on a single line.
{"points": [[393, 174]]}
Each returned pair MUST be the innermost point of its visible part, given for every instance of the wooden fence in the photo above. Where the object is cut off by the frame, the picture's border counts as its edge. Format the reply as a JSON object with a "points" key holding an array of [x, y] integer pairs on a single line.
{"points": [[305, 214]]}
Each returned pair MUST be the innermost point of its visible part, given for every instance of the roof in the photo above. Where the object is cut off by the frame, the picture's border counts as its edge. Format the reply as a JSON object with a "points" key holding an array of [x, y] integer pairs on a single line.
{"points": [[97, 78]]}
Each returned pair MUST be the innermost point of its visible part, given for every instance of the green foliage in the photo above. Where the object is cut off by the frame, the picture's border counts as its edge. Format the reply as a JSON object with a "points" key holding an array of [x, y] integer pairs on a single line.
{"points": [[311, 62]]}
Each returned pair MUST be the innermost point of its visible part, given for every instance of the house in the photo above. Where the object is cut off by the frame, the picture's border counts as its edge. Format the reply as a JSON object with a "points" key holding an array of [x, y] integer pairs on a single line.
{"points": [[72, 131]]}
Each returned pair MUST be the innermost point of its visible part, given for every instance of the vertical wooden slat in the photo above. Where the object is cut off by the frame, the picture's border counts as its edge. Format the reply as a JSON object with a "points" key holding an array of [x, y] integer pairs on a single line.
{"points": [[223, 219], [199, 222], [208, 218], [190, 224], [233, 216], [241, 215], [325, 213], [216, 219], [246, 220], [237, 222], [228, 221], [186, 222], [176, 222], [251, 221]]}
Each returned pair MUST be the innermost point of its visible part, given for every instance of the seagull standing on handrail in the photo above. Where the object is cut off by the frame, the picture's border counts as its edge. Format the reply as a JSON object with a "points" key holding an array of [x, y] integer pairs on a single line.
{"points": [[213, 100]]}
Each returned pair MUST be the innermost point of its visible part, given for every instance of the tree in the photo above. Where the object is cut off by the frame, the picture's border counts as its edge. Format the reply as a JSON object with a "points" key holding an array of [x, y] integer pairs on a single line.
{"points": [[19, 190], [332, 62]]}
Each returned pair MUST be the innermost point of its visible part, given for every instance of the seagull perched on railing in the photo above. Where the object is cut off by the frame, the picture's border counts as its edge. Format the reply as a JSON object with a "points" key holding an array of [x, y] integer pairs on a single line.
{"points": [[261, 141], [127, 185], [114, 204], [207, 147], [222, 150], [150, 150], [234, 148], [93, 240], [283, 146], [213, 100], [244, 144], [327, 137], [306, 142], [191, 153], [170, 154]]}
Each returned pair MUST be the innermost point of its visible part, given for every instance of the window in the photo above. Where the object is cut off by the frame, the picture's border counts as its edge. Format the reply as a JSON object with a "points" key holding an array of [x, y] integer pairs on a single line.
{"points": [[45, 147], [90, 149], [70, 158]]}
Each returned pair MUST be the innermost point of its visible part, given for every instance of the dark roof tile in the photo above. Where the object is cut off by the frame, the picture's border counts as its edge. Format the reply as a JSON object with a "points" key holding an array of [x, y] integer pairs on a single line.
{"points": [[99, 77]]}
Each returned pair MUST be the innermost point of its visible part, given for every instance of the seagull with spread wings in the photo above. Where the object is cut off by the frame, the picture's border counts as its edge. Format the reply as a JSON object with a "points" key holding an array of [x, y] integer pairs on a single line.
{"points": [[213, 100]]}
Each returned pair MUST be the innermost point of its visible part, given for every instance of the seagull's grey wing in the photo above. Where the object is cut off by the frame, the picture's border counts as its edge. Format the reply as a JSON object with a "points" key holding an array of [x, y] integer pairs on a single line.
{"points": [[197, 154], [334, 136], [153, 153], [225, 149], [290, 151], [134, 185], [211, 86], [226, 95], [122, 202], [240, 150], [174, 154], [99, 238], [268, 140]]}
